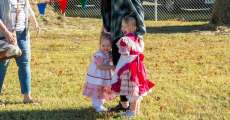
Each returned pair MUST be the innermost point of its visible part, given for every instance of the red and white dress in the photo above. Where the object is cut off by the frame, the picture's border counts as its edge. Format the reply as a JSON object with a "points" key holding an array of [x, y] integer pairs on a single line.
{"points": [[130, 75], [98, 85]]}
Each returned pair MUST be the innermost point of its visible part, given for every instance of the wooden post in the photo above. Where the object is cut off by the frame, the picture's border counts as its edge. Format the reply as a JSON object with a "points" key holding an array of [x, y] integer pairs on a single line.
{"points": [[156, 10]]}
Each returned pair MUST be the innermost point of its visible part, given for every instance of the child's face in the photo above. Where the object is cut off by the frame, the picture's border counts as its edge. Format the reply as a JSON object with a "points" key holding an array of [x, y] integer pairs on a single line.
{"points": [[124, 27], [106, 45], [127, 28]]}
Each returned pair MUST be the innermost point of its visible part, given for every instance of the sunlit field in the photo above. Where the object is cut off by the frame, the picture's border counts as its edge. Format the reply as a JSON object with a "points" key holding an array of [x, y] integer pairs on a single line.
{"points": [[190, 65]]}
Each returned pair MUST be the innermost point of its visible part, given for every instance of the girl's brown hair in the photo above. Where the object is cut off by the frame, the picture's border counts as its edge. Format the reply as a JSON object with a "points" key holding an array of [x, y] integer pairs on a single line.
{"points": [[129, 19], [105, 36]]}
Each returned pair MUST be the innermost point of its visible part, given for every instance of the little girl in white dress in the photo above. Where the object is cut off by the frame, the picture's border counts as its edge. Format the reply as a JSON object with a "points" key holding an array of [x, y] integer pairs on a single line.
{"points": [[99, 75]]}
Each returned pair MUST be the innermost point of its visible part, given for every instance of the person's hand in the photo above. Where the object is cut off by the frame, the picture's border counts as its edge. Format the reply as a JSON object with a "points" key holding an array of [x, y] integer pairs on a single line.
{"points": [[99, 60], [37, 28], [11, 38], [113, 67]]}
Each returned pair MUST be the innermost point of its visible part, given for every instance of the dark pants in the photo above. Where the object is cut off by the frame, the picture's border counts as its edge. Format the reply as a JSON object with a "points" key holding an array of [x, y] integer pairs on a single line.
{"points": [[116, 55], [106, 14]]}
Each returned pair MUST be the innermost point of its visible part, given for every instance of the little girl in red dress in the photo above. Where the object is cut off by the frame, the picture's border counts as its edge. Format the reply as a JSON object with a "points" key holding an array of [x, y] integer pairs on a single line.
{"points": [[130, 74]]}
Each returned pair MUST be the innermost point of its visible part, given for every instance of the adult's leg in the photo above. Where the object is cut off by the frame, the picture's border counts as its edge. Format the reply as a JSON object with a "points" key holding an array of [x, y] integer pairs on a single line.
{"points": [[138, 12], [106, 14], [23, 63], [3, 69], [121, 8], [116, 55], [123, 104], [116, 32]]}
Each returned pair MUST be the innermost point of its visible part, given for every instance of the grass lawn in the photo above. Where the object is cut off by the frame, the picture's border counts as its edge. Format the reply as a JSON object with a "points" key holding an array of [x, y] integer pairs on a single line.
{"points": [[190, 66]]}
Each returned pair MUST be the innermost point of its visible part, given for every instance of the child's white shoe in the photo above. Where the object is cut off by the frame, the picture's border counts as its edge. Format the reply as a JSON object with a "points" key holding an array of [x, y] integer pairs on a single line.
{"points": [[100, 109]]}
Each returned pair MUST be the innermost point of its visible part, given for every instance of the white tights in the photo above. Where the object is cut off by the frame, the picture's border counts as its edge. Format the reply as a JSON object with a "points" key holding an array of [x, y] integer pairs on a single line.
{"points": [[97, 102]]}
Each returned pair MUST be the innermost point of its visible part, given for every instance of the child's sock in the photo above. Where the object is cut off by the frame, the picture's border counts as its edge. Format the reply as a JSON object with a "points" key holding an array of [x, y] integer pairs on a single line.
{"points": [[138, 107], [98, 105], [135, 104]]}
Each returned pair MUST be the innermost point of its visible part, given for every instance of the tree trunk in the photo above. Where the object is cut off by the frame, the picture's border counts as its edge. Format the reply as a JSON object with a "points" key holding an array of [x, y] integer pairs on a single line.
{"points": [[221, 13]]}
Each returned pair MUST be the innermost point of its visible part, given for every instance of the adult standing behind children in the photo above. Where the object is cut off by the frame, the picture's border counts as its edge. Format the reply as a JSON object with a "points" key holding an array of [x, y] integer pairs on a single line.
{"points": [[119, 9], [14, 21]]}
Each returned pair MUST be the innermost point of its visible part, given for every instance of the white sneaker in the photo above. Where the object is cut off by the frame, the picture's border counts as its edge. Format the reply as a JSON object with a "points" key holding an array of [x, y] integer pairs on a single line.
{"points": [[100, 109]]}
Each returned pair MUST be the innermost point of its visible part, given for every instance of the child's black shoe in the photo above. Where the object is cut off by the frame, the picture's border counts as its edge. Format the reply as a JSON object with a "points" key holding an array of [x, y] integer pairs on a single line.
{"points": [[119, 108]]}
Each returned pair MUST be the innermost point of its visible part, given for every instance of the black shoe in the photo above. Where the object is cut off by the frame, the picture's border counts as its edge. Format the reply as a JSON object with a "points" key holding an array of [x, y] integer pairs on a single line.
{"points": [[118, 108]]}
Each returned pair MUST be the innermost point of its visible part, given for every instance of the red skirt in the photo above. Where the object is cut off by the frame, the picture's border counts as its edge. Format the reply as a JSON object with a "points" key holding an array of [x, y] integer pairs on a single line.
{"points": [[138, 84]]}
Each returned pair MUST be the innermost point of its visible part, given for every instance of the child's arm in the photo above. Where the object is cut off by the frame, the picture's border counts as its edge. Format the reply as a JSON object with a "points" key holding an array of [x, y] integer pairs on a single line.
{"points": [[99, 62], [105, 67], [123, 46]]}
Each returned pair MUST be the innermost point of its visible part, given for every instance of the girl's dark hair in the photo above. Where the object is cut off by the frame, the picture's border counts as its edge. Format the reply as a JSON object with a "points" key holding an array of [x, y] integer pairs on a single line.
{"points": [[106, 36]]}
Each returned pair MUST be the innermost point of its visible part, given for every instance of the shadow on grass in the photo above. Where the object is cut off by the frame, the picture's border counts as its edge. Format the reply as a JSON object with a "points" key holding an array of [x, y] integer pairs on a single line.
{"points": [[62, 114], [6, 102], [179, 29]]}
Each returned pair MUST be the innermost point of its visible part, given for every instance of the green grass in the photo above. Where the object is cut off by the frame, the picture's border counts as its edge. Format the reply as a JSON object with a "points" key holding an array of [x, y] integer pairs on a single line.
{"points": [[191, 69]]}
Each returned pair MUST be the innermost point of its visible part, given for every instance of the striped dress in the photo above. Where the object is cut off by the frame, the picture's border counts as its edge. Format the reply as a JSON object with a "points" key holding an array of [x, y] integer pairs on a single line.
{"points": [[98, 82]]}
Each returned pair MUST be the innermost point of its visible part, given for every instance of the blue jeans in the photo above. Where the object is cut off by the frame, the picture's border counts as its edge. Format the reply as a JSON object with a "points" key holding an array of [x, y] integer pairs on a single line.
{"points": [[23, 63]]}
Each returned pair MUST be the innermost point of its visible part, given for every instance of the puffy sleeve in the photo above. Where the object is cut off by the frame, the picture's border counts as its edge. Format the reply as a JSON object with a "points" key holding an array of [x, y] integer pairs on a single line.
{"points": [[98, 58], [123, 46]]}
